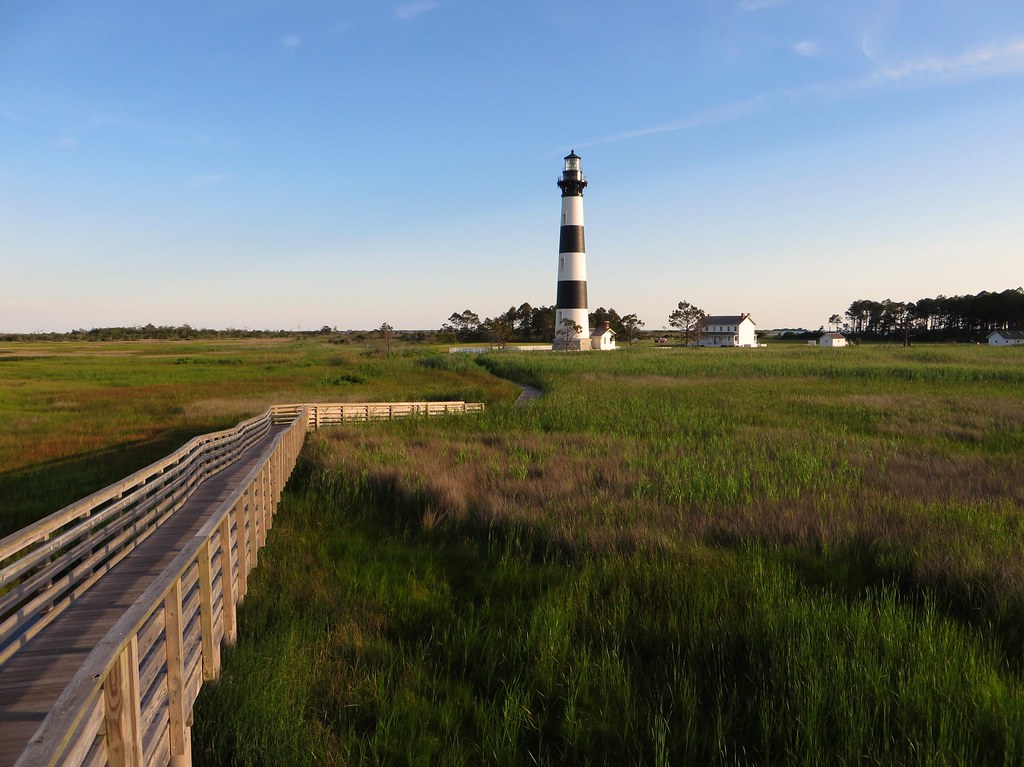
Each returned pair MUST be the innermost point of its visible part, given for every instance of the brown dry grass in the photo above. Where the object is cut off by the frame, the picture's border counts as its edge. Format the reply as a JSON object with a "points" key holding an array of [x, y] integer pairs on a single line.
{"points": [[938, 516]]}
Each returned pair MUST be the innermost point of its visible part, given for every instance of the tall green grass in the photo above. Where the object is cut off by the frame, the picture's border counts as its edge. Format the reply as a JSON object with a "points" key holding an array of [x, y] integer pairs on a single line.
{"points": [[459, 645], [773, 556]]}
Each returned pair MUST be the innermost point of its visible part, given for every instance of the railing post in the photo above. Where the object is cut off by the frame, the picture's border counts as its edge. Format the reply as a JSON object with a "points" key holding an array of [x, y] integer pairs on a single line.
{"points": [[173, 628], [227, 585], [254, 524], [211, 648], [261, 508], [241, 538], [122, 705], [271, 485], [268, 501], [184, 759]]}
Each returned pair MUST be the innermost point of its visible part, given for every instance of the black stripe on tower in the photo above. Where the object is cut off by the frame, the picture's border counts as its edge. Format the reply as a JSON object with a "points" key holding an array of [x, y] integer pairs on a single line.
{"points": [[572, 294], [570, 239]]}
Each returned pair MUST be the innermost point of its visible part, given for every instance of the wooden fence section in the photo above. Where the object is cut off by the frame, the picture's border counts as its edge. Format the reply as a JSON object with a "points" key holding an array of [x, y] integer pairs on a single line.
{"points": [[46, 566], [130, 702], [324, 414]]}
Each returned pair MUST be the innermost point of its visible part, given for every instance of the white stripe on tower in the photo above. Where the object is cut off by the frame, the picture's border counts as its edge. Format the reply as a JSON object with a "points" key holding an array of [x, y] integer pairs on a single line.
{"points": [[571, 302]]}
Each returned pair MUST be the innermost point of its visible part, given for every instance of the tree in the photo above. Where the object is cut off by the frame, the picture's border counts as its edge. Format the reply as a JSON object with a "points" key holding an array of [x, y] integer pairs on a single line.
{"points": [[465, 326], [601, 315], [903, 320], [565, 335], [834, 322], [499, 332], [386, 334], [631, 325], [686, 318]]}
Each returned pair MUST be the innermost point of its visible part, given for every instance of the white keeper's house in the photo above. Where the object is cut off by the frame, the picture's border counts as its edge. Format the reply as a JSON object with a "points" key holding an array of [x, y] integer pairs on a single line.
{"points": [[728, 330], [1006, 338]]}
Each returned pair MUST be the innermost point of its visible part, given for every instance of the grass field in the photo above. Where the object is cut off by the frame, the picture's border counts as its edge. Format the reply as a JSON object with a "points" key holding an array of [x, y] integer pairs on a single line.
{"points": [[781, 556], [775, 556], [75, 417]]}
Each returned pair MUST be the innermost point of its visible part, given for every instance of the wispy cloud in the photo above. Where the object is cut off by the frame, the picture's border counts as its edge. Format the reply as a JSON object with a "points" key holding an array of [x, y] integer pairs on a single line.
{"points": [[70, 138], [928, 71], [987, 61], [209, 178], [806, 48], [722, 114], [758, 5], [416, 8], [291, 41], [981, 63]]}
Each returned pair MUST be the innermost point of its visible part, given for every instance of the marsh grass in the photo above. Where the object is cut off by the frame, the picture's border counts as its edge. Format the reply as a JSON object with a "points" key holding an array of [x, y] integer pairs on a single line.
{"points": [[473, 645], [774, 556], [696, 557], [75, 417]]}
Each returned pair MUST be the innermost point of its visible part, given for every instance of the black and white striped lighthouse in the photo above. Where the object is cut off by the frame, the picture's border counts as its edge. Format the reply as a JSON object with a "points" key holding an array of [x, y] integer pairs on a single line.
{"points": [[572, 253]]}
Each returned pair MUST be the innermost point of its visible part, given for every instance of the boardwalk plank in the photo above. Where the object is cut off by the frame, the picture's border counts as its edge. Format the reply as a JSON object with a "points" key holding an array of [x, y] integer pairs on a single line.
{"points": [[33, 679]]}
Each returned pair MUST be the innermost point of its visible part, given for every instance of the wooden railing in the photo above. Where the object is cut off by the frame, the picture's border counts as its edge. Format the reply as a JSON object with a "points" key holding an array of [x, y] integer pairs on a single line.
{"points": [[131, 701], [323, 414], [47, 565]]}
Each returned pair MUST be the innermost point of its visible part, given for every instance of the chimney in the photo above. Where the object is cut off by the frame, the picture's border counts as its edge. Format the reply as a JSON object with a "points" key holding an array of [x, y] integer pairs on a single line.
{"points": [[607, 324]]}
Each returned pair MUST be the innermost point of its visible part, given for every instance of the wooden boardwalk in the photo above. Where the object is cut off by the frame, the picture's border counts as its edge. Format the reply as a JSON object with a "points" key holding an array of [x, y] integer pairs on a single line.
{"points": [[33, 679], [113, 609]]}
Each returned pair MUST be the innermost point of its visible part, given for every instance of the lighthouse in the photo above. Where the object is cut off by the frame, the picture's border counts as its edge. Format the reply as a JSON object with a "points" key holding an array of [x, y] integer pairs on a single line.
{"points": [[571, 302]]}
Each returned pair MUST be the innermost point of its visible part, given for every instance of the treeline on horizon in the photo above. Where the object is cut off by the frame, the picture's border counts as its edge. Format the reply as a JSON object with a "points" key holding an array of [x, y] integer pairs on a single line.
{"points": [[151, 333], [527, 323], [943, 318]]}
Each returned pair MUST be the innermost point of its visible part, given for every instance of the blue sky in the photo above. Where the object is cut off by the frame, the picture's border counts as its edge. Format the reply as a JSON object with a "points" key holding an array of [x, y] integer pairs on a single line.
{"points": [[270, 164]]}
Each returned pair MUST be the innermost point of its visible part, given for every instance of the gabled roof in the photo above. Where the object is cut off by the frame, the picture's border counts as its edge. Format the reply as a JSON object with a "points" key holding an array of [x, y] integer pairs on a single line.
{"points": [[727, 319], [1009, 334], [832, 335], [601, 331]]}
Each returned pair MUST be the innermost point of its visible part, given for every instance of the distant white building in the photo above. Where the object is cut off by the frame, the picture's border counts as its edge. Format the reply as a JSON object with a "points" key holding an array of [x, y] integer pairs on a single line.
{"points": [[728, 330], [602, 338], [1006, 338], [832, 339]]}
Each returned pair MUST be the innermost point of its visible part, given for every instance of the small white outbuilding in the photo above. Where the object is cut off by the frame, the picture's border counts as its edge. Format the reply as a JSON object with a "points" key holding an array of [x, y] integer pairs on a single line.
{"points": [[602, 338], [833, 340]]}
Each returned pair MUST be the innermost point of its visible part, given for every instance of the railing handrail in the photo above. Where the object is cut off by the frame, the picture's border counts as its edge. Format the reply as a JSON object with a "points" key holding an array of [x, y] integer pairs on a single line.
{"points": [[38, 530], [54, 733], [73, 726], [52, 562]]}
